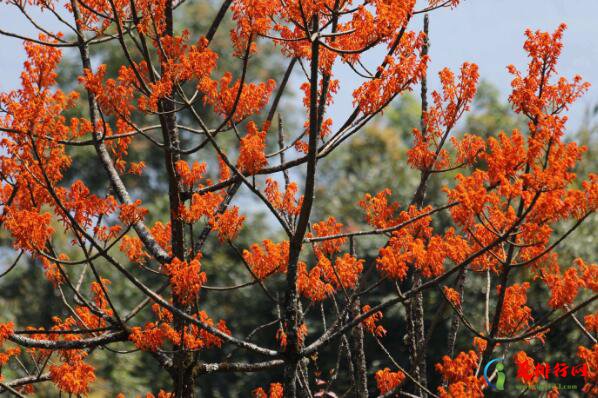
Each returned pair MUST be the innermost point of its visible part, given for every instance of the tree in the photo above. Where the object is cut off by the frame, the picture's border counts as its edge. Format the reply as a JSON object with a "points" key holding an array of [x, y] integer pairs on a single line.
{"points": [[505, 198]]}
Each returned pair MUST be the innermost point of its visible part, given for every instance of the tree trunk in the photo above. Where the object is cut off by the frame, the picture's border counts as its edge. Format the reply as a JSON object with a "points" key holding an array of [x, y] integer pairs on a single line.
{"points": [[360, 368]]}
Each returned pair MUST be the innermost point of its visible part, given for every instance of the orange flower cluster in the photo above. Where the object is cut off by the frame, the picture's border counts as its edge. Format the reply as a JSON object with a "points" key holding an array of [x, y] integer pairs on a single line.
{"points": [[515, 315], [472, 196], [369, 26], [252, 155], [403, 70], [452, 296], [202, 205], [274, 257], [480, 344], [565, 287], [73, 375], [190, 176], [30, 229], [223, 97], [328, 228], [519, 170], [73, 378], [252, 17], [506, 157], [590, 358], [523, 361], [154, 335], [544, 50], [162, 234], [6, 355], [186, 278], [53, 273], [276, 391], [591, 322], [310, 283], [333, 86], [180, 62], [415, 245], [388, 381], [378, 212], [227, 224], [468, 149], [115, 97], [287, 203], [345, 271], [132, 213], [6, 330], [324, 278], [427, 152], [83, 205], [459, 373], [370, 322], [132, 247]]}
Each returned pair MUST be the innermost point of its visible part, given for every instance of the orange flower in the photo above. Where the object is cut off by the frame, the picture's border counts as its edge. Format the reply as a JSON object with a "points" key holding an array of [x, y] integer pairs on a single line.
{"points": [[403, 70], [287, 203], [515, 315], [185, 278], [469, 148], [72, 378], [459, 373], [378, 212], [452, 295], [563, 287], [162, 234], [6, 355], [252, 156], [132, 213], [472, 196], [327, 228], [345, 272], [190, 176], [223, 97], [30, 229], [202, 205], [274, 257], [136, 168], [276, 391], [590, 360], [388, 381], [150, 338], [228, 224], [310, 284], [480, 344], [392, 263], [53, 273], [132, 247], [370, 322], [225, 171], [525, 366], [591, 322], [6, 330]]}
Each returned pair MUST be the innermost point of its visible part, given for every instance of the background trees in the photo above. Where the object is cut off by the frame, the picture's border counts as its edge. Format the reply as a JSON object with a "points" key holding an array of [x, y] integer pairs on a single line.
{"points": [[194, 226]]}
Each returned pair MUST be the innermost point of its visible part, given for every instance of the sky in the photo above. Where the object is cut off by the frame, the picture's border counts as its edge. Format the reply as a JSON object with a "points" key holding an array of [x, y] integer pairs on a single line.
{"points": [[487, 32]]}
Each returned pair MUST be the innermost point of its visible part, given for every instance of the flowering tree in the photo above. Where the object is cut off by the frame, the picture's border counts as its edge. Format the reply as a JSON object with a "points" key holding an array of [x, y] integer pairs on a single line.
{"points": [[510, 194]]}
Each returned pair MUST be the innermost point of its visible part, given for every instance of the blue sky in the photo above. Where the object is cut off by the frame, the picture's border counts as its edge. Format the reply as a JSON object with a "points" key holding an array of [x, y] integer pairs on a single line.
{"points": [[487, 32]]}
